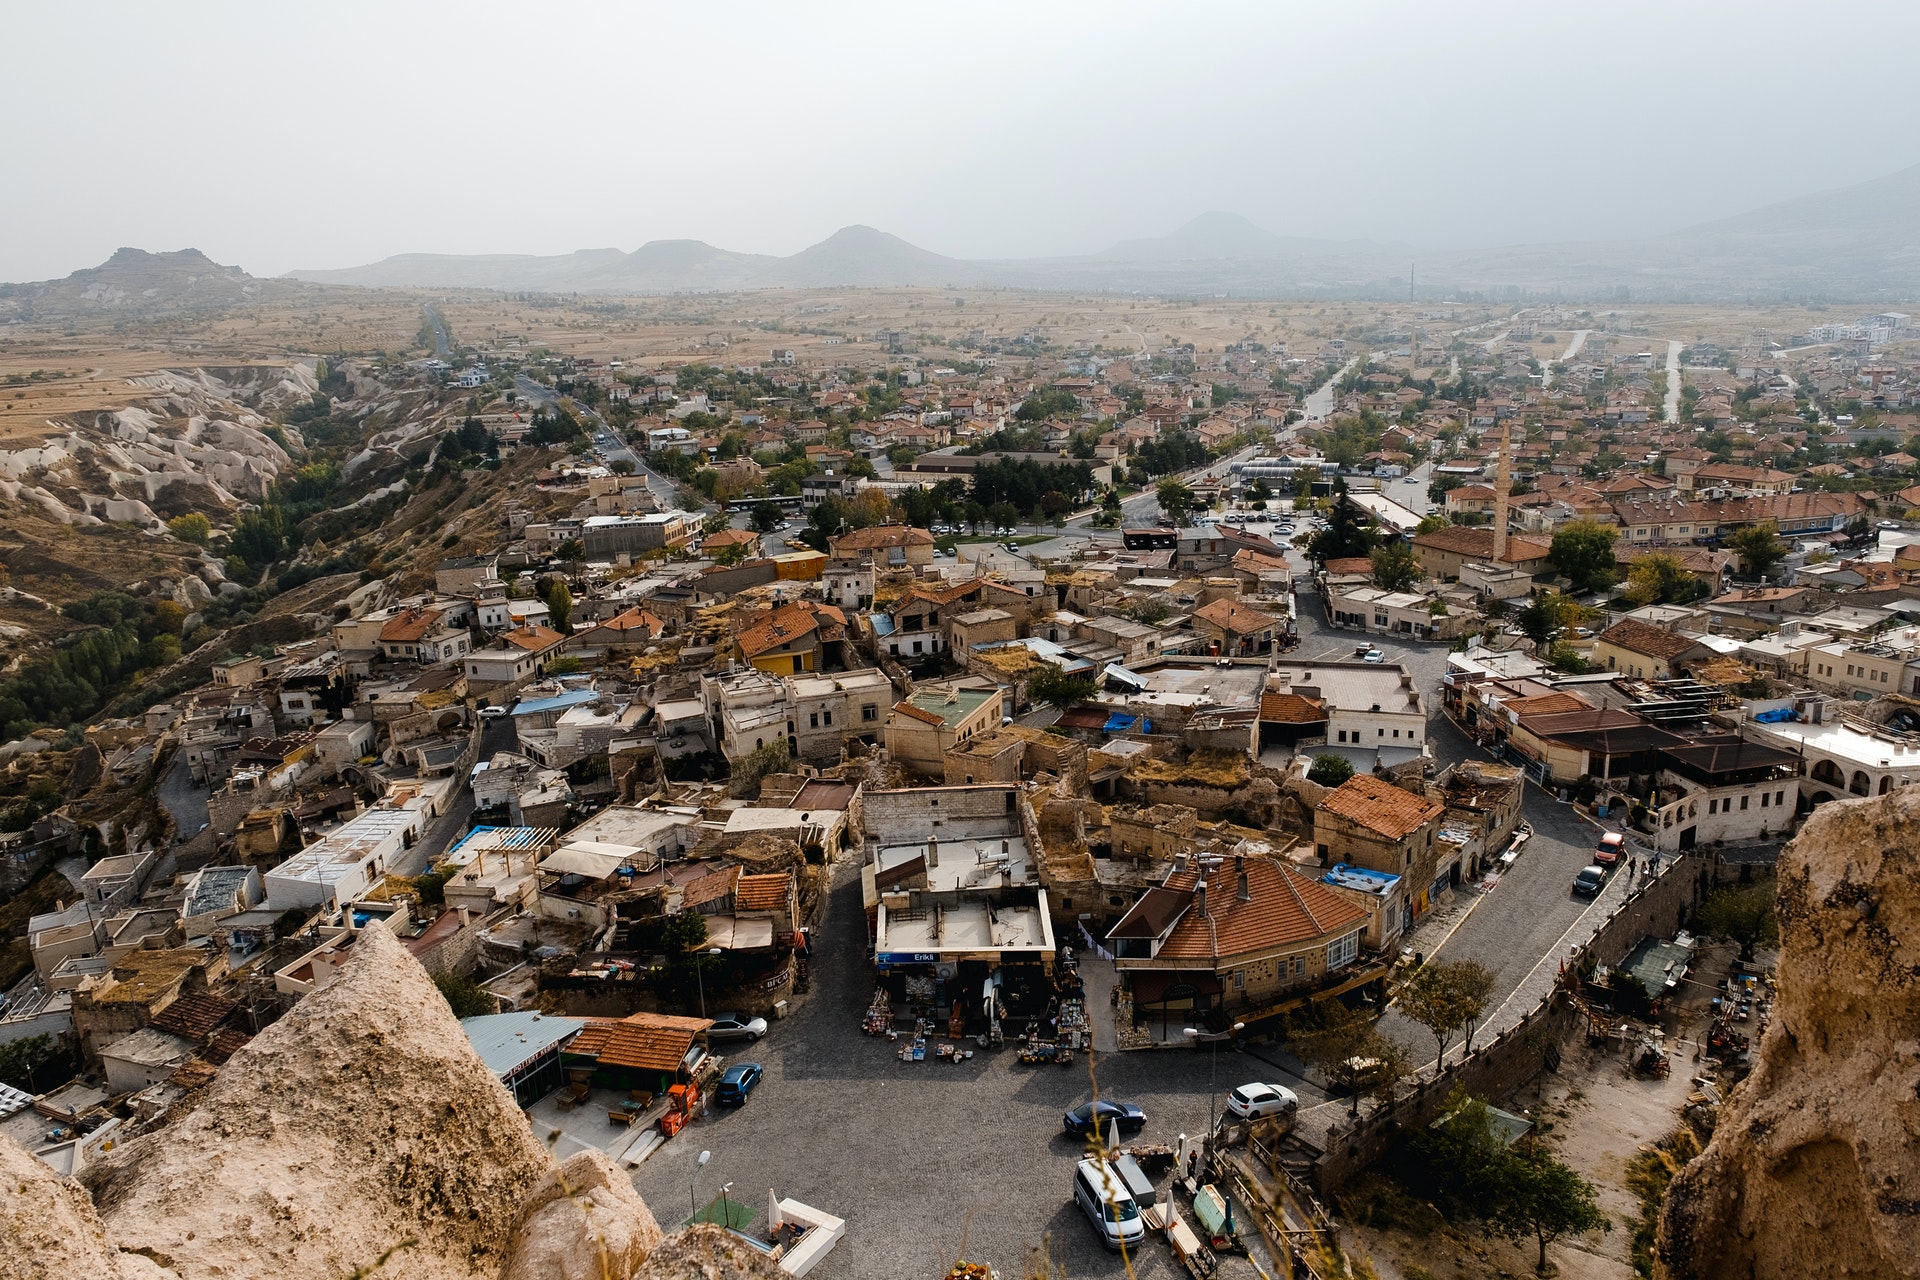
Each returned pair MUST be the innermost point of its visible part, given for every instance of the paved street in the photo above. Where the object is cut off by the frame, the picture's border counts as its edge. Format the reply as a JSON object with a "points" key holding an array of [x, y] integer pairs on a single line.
{"points": [[1532, 908], [916, 1156]]}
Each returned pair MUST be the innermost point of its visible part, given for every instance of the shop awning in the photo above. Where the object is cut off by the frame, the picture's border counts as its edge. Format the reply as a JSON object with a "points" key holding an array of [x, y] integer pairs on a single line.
{"points": [[1152, 988]]}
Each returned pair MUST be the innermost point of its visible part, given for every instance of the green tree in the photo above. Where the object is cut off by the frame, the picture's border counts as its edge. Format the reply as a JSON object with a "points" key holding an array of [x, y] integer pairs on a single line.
{"points": [[1330, 769], [752, 768], [1176, 500], [1259, 492], [1395, 567], [1345, 1045], [1539, 1197], [1050, 685], [1758, 546], [766, 517], [573, 551], [1660, 578], [465, 996], [621, 466], [191, 527], [1445, 998], [1583, 551], [22, 1061], [1430, 524], [1741, 914], [559, 600]]}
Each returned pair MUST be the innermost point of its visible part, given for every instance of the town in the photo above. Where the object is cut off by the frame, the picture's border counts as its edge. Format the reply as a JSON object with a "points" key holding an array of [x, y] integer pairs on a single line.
{"points": [[783, 756]]}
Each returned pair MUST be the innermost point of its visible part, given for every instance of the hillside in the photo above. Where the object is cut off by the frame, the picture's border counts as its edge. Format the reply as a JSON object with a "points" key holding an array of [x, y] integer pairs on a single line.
{"points": [[135, 281]]}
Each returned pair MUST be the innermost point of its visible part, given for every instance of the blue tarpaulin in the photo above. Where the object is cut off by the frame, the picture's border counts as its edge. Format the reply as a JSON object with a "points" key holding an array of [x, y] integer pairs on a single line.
{"points": [[1120, 722], [1775, 716]]}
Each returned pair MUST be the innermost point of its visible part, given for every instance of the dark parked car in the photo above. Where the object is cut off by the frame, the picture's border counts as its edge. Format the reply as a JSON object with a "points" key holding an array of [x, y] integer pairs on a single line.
{"points": [[1100, 1115], [1589, 881], [736, 1082]]}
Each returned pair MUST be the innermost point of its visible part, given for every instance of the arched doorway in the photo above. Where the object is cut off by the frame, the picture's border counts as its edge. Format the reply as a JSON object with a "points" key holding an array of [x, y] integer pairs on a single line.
{"points": [[1862, 784], [1828, 772]]}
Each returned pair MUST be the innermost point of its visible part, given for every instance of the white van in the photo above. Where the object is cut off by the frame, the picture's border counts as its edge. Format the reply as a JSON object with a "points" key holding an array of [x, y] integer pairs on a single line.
{"points": [[1104, 1198]]}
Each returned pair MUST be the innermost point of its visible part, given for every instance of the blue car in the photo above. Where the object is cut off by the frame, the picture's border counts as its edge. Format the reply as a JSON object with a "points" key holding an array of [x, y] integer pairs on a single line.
{"points": [[1091, 1116], [736, 1082]]}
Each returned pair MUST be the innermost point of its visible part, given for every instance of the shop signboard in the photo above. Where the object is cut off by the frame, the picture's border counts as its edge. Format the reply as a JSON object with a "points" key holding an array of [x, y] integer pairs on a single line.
{"points": [[908, 957]]}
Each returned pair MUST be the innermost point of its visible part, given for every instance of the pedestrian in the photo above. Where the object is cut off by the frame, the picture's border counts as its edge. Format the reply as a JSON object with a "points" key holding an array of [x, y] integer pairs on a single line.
{"points": [[1632, 866]]}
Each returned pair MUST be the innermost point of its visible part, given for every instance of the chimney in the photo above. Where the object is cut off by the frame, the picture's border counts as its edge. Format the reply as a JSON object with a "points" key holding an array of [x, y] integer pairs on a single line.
{"points": [[1501, 475], [1200, 898], [1245, 890], [933, 852]]}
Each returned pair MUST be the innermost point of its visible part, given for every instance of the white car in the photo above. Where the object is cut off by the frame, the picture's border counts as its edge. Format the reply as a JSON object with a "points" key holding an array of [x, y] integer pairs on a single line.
{"points": [[1373, 655], [1252, 1101], [492, 713], [736, 1026]]}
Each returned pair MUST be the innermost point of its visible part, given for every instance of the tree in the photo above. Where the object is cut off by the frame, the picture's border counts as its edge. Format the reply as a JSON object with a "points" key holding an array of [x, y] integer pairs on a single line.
{"points": [[1176, 499], [1539, 1196], [1394, 567], [1446, 997], [1259, 492], [559, 605], [1583, 551], [621, 466], [1740, 914], [21, 1061], [1758, 546], [465, 996], [766, 517], [1344, 535], [1356, 1058], [1660, 578], [191, 527], [1330, 769], [1430, 524], [1050, 685], [750, 769]]}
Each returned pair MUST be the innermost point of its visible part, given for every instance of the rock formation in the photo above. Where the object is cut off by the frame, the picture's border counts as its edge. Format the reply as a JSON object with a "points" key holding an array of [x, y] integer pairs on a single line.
{"points": [[1812, 1170], [360, 1134]]}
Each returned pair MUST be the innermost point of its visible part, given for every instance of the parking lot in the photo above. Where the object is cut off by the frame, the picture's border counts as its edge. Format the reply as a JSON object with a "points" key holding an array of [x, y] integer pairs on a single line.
{"points": [[914, 1156]]}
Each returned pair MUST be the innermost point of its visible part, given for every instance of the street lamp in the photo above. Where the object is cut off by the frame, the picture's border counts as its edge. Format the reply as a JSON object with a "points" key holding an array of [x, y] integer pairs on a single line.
{"points": [[1212, 1039], [726, 1206], [693, 1199], [700, 976]]}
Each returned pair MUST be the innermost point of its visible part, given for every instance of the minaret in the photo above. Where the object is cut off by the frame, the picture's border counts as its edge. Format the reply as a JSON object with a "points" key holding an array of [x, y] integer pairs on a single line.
{"points": [[1501, 475]]}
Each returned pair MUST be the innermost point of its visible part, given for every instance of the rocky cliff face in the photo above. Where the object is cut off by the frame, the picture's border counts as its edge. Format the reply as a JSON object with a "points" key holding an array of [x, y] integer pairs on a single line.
{"points": [[358, 1132], [1812, 1171]]}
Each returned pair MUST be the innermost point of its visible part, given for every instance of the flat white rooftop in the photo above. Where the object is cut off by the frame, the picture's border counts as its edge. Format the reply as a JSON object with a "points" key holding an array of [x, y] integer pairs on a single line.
{"points": [[966, 863]]}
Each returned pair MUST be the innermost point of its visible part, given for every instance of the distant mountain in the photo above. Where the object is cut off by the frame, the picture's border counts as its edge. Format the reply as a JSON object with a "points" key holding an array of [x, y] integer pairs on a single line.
{"points": [[134, 280], [1858, 243]]}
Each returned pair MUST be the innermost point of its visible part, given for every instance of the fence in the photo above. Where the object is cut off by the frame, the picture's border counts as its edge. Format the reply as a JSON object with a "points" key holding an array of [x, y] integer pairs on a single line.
{"points": [[1516, 1052]]}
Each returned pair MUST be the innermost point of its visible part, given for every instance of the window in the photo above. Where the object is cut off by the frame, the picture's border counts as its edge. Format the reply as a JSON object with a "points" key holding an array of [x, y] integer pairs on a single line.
{"points": [[1383, 733], [1343, 951], [813, 721], [1779, 797], [1343, 735], [829, 717], [1743, 804], [1713, 807], [1299, 966], [1764, 797], [869, 713], [916, 646], [1396, 733]]}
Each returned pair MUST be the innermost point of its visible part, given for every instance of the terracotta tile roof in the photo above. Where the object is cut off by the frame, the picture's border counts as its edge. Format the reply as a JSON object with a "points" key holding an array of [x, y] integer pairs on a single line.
{"points": [[634, 619], [193, 1017], [1378, 805], [783, 626], [1639, 637], [1477, 544], [533, 638], [1547, 704], [224, 1043], [409, 627], [880, 537], [644, 1041], [766, 892], [1248, 560], [1233, 617], [730, 538], [1350, 564], [715, 884], [1283, 909], [1291, 708]]}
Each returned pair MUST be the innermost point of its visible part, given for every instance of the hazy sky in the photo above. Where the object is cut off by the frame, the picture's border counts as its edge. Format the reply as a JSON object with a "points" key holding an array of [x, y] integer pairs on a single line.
{"points": [[278, 135]]}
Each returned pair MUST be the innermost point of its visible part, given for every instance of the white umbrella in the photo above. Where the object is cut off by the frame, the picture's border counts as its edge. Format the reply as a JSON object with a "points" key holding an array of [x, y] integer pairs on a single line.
{"points": [[1113, 1135], [774, 1219]]}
